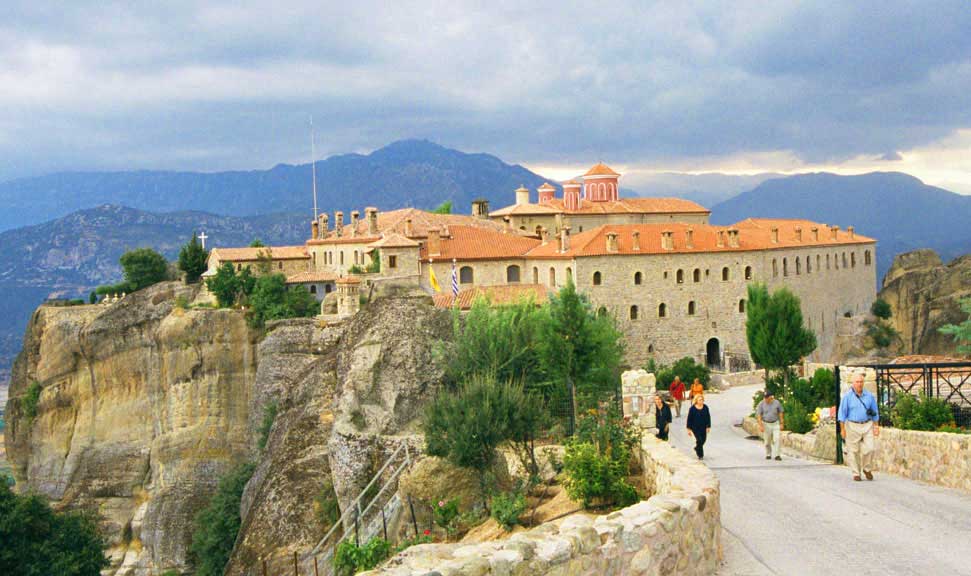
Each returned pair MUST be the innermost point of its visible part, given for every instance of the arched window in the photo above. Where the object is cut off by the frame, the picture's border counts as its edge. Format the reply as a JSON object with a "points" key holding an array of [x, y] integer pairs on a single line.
{"points": [[662, 310], [569, 274], [775, 267], [844, 259], [601, 312], [610, 190], [696, 276], [342, 257], [535, 275], [552, 277], [637, 278], [313, 288], [691, 308], [539, 230], [327, 289], [818, 267], [680, 276], [523, 228], [866, 258], [852, 259], [748, 272], [466, 275], [798, 266], [512, 274], [650, 348], [827, 262], [279, 265], [809, 265], [741, 306], [725, 274], [603, 190], [785, 266], [597, 278], [633, 312]]}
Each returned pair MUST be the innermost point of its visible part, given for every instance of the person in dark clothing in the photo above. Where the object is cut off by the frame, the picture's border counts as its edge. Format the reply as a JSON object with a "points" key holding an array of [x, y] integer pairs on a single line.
{"points": [[699, 424], [662, 417]]}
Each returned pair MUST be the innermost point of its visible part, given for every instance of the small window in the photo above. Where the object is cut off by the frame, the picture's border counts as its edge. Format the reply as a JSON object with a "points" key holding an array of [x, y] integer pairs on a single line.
{"points": [[279, 265], [601, 312], [827, 262], [818, 267], [867, 258], [466, 275], [512, 274], [569, 274], [852, 259], [665, 274], [785, 266], [836, 261], [535, 275], [680, 276], [741, 306], [696, 276], [809, 265], [552, 277], [844, 259], [691, 308], [637, 278], [650, 348], [597, 278], [392, 261], [748, 272], [633, 312], [342, 257], [798, 266], [327, 288], [239, 267], [725, 274], [662, 310], [775, 267], [313, 288]]}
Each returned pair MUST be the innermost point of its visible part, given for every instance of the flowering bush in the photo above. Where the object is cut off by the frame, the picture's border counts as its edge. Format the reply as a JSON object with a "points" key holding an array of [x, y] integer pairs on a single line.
{"points": [[445, 514]]}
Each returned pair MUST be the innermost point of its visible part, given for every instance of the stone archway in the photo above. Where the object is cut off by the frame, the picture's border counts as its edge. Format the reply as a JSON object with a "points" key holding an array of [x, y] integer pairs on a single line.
{"points": [[713, 354]]}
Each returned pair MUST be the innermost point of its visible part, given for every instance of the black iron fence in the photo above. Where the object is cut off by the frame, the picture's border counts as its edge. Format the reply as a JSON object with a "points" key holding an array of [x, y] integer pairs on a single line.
{"points": [[950, 381]]}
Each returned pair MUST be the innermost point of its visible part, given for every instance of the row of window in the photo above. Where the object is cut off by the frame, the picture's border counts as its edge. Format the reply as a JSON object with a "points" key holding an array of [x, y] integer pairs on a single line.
{"points": [[679, 276], [513, 275], [833, 262], [662, 309]]}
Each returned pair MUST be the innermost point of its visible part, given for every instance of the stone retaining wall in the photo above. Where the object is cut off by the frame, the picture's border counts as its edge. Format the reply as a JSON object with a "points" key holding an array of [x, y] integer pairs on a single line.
{"points": [[934, 457], [677, 531]]}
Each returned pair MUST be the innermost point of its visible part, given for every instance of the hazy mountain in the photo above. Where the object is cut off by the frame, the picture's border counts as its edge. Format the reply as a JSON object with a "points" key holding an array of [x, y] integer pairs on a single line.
{"points": [[406, 173], [706, 189], [900, 211]]}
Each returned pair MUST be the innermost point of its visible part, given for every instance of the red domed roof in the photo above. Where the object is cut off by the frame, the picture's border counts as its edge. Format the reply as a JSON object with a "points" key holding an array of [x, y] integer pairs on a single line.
{"points": [[601, 169]]}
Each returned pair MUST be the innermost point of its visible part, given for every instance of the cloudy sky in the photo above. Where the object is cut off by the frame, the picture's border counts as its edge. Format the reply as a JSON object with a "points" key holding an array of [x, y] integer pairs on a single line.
{"points": [[734, 86]]}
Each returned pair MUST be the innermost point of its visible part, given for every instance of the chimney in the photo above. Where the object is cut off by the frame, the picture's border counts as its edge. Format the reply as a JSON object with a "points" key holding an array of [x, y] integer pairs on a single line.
{"points": [[689, 240], [815, 231], [434, 242], [355, 218], [564, 239], [721, 238], [372, 220], [543, 235], [733, 237], [339, 223], [611, 241], [480, 208], [314, 230], [322, 225], [546, 193], [409, 231], [667, 240], [775, 235], [508, 222], [522, 196], [834, 232], [851, 231], [798, 233], [636, 240]]}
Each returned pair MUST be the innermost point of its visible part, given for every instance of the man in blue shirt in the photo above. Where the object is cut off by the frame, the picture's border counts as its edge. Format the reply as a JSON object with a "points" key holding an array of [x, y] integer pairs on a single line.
{"points": [[859, 423]]}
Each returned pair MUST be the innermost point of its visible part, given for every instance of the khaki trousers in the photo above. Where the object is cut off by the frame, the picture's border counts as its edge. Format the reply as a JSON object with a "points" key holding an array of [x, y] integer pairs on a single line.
{"points": [[859, 446], [772, 437]]}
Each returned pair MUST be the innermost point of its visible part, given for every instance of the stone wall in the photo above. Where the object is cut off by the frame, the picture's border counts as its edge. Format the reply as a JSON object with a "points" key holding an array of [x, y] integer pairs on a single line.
{"points": [[677, 531]]}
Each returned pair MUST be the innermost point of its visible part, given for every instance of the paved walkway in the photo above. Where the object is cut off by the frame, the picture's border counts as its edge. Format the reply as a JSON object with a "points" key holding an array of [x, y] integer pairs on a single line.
{"points": [[798, 517]]}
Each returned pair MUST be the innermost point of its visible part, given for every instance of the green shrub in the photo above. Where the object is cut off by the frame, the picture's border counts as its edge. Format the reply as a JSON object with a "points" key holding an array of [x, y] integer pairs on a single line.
{"points": [[349, 558], [35, 540], [224, 285], [446, 511], [507, 507], [375, 265], [798, 418], [30, 400], [269, 415], [326, 506], [217, 525], [355, 269], [271, 300], [597, 461], [881, 333], [824, 388], [143, 267], [686, 368], [181, 302], [413, 541], [93, 297], [921, 413], [881, 309]]}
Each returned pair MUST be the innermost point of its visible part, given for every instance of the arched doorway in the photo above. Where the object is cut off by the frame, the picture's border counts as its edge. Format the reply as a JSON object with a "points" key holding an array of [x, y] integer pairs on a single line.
{"points": [[713, 356]]}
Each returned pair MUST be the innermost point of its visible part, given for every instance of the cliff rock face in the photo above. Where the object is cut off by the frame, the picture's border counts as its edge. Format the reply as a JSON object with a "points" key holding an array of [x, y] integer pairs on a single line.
{"points": [[923, 294], [144, 406]]}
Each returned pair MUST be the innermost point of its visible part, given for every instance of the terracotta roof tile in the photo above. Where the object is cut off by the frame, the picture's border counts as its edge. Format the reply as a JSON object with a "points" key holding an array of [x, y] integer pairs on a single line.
{"points": [[308, 277], [601, 169], [394, 240], [497, 295], [421, 222], [472, 243], [252, 254]]}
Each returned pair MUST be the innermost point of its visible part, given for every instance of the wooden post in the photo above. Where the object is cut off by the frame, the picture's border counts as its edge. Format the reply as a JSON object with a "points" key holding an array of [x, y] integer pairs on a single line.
{"points": [[264, 567], [295, 572], [315, 567]]}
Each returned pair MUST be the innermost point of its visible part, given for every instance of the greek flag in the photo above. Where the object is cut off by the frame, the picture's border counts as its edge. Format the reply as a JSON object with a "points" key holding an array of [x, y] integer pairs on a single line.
{"points": [[455, 281]]}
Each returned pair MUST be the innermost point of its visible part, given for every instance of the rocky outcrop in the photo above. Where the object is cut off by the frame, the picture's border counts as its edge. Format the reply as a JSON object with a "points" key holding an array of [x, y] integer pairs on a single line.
{"points": [[923, 294], [145, 405]]}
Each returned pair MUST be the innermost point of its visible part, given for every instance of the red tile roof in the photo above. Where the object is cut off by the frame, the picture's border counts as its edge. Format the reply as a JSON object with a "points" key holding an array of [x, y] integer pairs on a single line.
{"points": [[752, 235], [394, 240], [473, 243], [395, 221], [622, 206], [312, 277], [496, 295], [252, 254], [601, 169]]}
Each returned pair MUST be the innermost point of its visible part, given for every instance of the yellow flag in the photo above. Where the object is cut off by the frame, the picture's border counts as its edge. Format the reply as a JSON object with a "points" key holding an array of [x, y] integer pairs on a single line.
{"points": [[432, 280]]}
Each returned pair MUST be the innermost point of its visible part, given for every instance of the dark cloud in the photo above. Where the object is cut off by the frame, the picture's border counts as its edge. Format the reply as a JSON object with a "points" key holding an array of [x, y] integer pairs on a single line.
{"points": [[209, 86]]}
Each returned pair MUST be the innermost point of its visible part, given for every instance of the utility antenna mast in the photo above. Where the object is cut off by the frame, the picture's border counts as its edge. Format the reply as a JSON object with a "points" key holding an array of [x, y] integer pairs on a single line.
{"points": [[313, 164]]}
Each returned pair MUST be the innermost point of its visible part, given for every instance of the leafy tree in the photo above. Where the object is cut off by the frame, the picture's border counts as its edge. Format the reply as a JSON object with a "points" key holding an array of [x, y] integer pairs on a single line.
{"points": [[257, 243], [443, 208], [375, 265], [36, 541], [217, 525], [921, 413], [93, 297], [143, 267], [270, 300], [774, 328], [881, 309], [224, 285], [686, 368], [300, 303], [961, 332], [193, 259]]}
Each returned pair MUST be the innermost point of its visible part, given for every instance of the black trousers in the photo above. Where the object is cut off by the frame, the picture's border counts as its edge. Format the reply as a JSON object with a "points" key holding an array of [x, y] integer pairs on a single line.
{"points": [[700, 437], [662, 433]]}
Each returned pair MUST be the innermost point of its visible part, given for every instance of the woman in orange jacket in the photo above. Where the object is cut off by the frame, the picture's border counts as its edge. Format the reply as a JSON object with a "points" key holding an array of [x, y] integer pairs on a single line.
{"points": [[696, 389]]}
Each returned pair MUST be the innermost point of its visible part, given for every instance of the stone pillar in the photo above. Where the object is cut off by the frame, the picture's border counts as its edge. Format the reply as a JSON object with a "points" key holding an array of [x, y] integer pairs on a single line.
{"points": [[815, 231], [564, 239]]}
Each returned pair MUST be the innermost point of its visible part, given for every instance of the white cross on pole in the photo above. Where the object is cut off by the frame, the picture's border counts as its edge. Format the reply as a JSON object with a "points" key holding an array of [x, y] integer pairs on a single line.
{"points": [[202, 238]]}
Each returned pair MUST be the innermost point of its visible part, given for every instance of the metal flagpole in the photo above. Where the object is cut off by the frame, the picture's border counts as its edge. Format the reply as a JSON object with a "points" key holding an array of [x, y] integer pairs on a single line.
{"points": [[313, 163]]}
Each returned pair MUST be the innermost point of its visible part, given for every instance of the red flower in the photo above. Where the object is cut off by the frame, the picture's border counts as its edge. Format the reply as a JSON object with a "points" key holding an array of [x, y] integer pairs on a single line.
{"points": [[427, 532]]}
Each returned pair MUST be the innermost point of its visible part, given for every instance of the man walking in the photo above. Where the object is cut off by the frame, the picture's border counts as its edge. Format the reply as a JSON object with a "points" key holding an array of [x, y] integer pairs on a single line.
{"points": [[859, 421], [770, 417], [677, 392]]}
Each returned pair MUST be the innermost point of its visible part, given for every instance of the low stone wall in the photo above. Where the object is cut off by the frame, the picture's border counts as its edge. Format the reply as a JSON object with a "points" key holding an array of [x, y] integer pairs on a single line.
{"points": [[733, 379], [934, 457], [677, 531]]}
